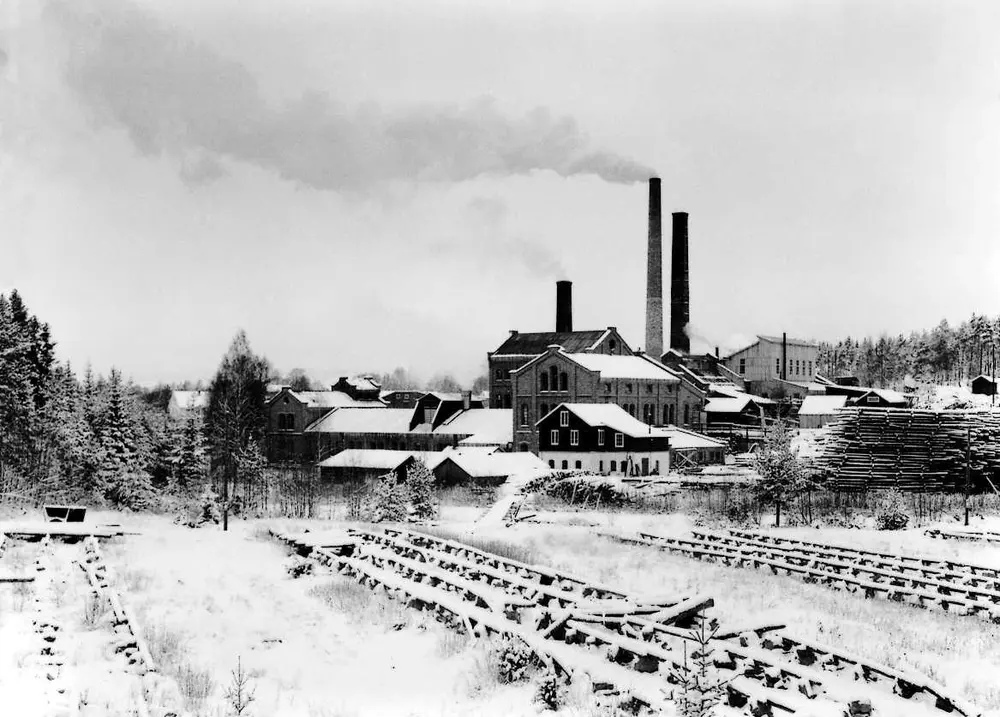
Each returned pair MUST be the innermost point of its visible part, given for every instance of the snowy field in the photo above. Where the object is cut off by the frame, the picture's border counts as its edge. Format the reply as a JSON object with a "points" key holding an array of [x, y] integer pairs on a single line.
{"points": [[315, 647]]}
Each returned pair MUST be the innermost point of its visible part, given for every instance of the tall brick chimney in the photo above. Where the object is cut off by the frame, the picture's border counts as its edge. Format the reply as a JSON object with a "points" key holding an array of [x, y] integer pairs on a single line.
{"points": [[564, 306], [654, 274], [680, 300]]}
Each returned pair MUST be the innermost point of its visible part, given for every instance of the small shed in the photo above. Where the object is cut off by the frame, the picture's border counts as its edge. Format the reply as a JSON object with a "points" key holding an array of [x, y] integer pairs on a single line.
{"points": [[984, 386], [881, 398], [688, 447], [479, 467], [817, 411], [360, 465]]}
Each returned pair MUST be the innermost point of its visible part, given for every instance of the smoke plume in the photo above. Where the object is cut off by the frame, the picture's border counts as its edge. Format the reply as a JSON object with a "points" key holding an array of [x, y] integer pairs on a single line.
{"points": [[179, 97]]}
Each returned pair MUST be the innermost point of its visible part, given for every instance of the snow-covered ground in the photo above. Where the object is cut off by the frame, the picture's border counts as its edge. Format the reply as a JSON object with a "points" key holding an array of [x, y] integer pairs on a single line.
{"points": [[953, 397], [313, 647]]}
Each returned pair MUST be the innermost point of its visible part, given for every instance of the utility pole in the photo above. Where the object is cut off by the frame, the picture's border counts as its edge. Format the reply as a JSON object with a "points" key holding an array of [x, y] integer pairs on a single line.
{"points": [[968, 460]]}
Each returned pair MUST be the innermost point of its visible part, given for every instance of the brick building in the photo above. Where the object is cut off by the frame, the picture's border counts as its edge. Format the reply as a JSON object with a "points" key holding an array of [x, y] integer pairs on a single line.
{"points": [[643, 387], [290, 412], [520, 348]]}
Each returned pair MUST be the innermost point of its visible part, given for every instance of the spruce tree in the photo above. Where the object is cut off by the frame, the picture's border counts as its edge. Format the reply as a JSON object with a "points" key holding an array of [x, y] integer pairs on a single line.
{"points": [[420, 483]]}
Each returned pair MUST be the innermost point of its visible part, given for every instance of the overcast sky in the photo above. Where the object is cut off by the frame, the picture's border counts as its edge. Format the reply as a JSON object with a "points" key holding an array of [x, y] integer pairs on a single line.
{"points": [[362, 185]]}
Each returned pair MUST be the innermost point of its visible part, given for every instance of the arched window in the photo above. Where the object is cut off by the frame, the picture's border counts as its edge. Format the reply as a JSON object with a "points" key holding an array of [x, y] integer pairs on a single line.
{"points": [[563, 382], [523, 448], [506, 401], [686, 414], [553, 378], [543, 382], [670, 411], [524, 414]]}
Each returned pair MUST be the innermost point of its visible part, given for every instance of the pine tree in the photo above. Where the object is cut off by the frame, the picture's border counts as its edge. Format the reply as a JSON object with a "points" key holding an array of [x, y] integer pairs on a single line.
{"points": [[121, 478], [388, 500], [781, 475], [420, 482], [190, 464]]}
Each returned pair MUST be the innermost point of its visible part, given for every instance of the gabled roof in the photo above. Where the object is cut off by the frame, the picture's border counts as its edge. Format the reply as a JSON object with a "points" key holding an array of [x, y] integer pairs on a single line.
{"points": [[489, 426], [775, 340], [682, 439], [814, 405], [363, 420], [984, 377], [328, 399], [614, 366], [729, 405], [374, 458], [608, 415], [536, 343], [479, 464], [885, 394]]}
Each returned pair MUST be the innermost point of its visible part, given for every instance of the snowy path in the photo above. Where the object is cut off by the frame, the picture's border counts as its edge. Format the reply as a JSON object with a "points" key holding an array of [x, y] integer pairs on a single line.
{"points": [[509, 493], [230, 596]]}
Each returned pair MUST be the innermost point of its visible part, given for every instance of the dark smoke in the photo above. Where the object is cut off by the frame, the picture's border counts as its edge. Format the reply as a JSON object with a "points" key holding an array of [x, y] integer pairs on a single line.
{"points": [[178, 97]]}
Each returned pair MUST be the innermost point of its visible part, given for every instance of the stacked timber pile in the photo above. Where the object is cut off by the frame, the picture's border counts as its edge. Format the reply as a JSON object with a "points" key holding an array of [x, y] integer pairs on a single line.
{"points": [[913, 450]]}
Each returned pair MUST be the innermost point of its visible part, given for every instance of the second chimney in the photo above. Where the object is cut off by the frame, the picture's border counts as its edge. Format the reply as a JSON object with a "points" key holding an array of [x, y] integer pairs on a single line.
{"points": [[680, 301], [564, 306]]}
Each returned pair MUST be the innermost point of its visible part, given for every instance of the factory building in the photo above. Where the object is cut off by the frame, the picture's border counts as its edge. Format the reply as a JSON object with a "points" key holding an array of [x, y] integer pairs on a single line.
{"points": [[770, 360]]}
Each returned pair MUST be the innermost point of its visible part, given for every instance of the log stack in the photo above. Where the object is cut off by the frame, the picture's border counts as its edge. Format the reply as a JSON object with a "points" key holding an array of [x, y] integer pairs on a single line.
{"points": [[913, 450]]}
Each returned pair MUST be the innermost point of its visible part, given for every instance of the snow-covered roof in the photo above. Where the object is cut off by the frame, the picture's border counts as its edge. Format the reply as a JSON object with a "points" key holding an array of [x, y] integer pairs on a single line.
{"points": [[683, 439], [610, 415], [615, 366], [363, 420], [885, 394], [365, 458], [727, 389], [821, 405], [333, 399], [480, 464], [190, 399], [728, 405], [493, 426]]}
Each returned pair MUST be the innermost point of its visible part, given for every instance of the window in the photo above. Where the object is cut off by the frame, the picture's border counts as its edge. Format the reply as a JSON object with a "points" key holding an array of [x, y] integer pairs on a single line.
{"points": [[506, 401], [619, 440], [574, 438], [686, 414], [565, 465], [498, 373], [670, 412], [524, 414], [286, 421], [578, 465], [614, 466], [523, 448], [607, 387], [543, 382], [810, 368], [649, 388], [777, 366], [600, 466], [624, 467], [743, 366], [552, 464], [564, 418], [612, 346], [872, 399], [628, 387], [600, 436], [554, 437], [563, 382]]}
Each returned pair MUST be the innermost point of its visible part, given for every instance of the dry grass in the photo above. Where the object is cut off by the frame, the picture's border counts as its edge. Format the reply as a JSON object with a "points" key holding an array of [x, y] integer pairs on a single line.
{"points": [[95, 607], [504, 548], [361, 605], [195, 685]]}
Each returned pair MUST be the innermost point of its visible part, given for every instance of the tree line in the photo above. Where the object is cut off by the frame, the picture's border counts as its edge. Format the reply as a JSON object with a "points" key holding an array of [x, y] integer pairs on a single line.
{"points": [[944, 354], [102, 439]]}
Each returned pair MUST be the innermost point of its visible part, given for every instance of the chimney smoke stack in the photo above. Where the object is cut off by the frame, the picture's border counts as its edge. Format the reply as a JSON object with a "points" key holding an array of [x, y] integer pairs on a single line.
{"points": [[680, 300], [564, 306], [654, 274]]}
